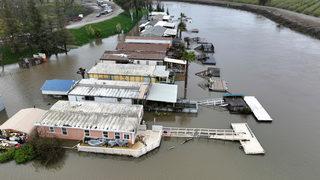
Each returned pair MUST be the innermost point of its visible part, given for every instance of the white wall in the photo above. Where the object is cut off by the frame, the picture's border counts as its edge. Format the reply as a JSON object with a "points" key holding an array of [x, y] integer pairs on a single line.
{"points": [[101, 99], [148, 62]]}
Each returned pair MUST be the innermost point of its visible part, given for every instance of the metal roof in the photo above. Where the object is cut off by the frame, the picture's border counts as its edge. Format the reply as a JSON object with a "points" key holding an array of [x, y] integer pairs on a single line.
{"points": [[108, 88], [154, 31], [176, 61], [60, 86], [170, 32], [143, 47], [129, 70], [93, 116], [163, 93], [148, 40]]}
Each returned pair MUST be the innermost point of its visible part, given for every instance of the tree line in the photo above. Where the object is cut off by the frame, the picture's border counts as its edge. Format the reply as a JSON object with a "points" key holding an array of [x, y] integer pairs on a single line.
{"points": [[35, 25]]}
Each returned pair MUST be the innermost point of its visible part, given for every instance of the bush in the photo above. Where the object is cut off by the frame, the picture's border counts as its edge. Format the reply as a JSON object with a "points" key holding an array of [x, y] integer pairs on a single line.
{"points": [[24, 154], [48, 151], [7, 155]]}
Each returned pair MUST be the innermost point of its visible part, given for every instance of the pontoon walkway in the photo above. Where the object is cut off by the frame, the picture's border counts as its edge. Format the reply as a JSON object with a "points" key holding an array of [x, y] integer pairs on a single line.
{"points": [[259, 112]]}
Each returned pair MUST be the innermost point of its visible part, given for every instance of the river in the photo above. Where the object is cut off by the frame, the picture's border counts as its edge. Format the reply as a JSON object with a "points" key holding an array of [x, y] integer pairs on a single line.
{"points": [[277, 65]]}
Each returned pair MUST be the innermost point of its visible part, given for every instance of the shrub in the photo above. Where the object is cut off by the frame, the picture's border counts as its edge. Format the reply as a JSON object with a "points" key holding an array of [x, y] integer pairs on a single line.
{"points": [[7, 155], [24, 154]]}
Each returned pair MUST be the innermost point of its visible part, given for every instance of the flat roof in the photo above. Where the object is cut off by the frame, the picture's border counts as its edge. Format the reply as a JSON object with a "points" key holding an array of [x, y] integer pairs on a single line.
{"points": [[23, 121], [93, 116], [176, 61], [108, 88], [132, 55], [154, 31], [57, 86], [142, 47], [148, 40], [170, 32], [163, 93], [129, 70]]}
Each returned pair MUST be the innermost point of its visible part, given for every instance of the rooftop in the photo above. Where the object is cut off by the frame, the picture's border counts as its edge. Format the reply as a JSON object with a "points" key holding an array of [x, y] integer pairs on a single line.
{"points": [[93, 116], [132, 55], [163, 93], [57, 86], [108, 88], [129, 70], [154, 31], [142, 47], [148, 40]]}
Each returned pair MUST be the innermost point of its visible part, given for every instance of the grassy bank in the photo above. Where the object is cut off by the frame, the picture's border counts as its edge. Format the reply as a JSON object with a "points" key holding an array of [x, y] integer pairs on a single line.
{"points": [[82, 36], [107, 28], [309, 7]]}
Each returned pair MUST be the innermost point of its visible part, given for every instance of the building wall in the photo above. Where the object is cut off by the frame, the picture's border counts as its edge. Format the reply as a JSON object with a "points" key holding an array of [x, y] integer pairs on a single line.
{"points": [[101, 99], [148, 62], [78, 134]]}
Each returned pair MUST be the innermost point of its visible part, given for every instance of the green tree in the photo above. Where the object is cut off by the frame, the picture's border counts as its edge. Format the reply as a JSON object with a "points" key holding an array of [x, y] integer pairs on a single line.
{"points": [[182, 26]]}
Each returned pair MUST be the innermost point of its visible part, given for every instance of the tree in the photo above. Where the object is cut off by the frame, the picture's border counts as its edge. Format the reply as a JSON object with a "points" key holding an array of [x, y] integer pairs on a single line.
{"points": [[188, 57], [181, 26], [264, 2]]}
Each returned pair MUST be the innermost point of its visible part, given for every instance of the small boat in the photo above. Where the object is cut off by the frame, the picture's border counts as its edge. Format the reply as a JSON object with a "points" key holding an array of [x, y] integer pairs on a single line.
{"points": [[112, 143], [96, 142], [121, 143]]}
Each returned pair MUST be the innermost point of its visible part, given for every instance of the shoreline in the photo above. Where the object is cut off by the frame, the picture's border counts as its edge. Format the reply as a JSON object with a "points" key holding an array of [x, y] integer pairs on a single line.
{"points": [[308, 25]]}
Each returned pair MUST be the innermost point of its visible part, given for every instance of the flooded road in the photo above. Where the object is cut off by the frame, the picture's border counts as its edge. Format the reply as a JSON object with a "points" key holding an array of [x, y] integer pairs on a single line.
{"points": [[278, 66]]}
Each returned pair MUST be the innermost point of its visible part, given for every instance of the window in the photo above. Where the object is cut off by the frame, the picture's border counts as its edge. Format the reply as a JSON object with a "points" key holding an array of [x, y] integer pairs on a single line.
{"points": [[86, 133], [117, 135], [126, 136], [119, 99], [89, 98], [51, 129], [147, 62], [138, 62], [105, 134], [64, 131]]}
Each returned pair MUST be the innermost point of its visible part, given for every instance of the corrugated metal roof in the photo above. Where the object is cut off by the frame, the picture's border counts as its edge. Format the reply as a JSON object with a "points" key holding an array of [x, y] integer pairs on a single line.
{"points": [[163, 93], [93, 116], [129, 70], [143, 46], [107, 88]]}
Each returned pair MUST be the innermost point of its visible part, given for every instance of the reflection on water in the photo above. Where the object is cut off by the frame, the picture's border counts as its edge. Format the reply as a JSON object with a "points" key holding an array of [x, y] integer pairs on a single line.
{"points": [[278, 66]]}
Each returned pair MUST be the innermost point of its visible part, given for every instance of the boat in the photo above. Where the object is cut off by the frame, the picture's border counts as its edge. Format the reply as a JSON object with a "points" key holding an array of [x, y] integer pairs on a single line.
{"points": [[96, 142]]}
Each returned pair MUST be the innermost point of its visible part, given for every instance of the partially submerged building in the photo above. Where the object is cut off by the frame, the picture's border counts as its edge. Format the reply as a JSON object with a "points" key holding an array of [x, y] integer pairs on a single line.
{"points": [[120, 92], [77, 120], [127, 57], [129, 72]]}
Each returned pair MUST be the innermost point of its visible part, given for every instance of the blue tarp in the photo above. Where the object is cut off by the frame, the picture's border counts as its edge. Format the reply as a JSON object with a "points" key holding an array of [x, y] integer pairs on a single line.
{"points": [[58, 85]]}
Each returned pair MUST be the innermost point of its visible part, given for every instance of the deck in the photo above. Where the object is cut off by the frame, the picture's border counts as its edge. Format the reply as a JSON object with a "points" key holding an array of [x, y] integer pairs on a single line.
{"points": [[239, 132], [259, 112], [251, 146], [217, 84]]}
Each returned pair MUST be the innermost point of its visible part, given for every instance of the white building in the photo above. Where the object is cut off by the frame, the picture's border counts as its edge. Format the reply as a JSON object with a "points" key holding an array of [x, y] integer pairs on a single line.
{"points": [[119, 92]]}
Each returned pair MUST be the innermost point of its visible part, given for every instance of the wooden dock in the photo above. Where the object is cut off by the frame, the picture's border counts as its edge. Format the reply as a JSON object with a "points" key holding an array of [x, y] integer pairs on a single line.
{"points": [[251, 146], [239, 132], [259, 112], [217, 84]]}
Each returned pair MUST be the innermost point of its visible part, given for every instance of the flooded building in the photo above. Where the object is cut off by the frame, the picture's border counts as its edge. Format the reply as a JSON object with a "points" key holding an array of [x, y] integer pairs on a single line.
{"points": [[126, 57], [129, 72], [120, 92], [77, 120]]}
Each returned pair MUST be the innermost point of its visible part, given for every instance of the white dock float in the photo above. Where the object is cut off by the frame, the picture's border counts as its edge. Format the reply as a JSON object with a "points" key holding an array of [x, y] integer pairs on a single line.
{"points": [[251, 146], [259, 112]]}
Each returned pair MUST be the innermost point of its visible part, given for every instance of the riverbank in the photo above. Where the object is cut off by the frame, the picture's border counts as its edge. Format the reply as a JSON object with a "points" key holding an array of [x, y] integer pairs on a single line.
{"points": [[299, 22]]}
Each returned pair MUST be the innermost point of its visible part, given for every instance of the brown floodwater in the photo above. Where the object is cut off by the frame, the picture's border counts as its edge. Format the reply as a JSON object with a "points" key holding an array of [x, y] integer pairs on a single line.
{"points": [[278, 66]]}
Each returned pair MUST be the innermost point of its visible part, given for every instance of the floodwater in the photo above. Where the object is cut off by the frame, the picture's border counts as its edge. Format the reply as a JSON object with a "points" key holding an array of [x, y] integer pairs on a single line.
{"points": [[278, 66]]}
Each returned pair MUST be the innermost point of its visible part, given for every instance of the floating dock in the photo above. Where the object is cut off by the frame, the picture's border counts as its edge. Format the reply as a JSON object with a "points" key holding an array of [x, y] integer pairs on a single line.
{"points": [[217, 84], [252, 145], [259, 112], [239, 132]]}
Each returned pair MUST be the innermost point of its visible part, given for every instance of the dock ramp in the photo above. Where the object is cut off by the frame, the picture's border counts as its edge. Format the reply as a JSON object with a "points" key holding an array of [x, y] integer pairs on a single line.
{"points": [[252, 145], [259, 112]]}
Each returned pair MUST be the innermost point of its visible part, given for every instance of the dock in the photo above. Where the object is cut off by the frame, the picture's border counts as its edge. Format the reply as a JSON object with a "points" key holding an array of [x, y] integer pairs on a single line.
{"points": [[212, 102], [259, 112], [252, 145], [239, 132], [217, 84]]}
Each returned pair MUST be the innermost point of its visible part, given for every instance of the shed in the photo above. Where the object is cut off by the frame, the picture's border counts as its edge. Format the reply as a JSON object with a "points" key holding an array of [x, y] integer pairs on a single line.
{"points": [[163, 93], [57, 87], [23, 121]]}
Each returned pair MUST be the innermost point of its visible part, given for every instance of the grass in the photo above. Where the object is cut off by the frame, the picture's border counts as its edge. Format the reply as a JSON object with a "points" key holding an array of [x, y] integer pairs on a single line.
{"points": [[81, 36], [309, 7], [107, 28]]}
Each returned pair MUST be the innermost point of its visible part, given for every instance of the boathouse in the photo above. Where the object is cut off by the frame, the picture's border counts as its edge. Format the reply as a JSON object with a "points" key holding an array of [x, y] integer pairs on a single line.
{"points": [[77, 120], [120, 92], [129, 72]]}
